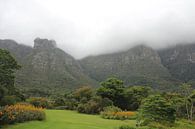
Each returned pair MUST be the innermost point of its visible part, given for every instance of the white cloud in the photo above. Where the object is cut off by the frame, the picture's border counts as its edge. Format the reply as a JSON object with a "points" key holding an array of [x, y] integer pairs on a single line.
{"points": [[83, 27]]}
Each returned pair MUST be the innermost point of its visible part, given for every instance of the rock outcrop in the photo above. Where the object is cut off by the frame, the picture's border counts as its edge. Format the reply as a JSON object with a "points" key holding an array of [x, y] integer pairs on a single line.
{"points": [[140, 65], [47, 67]]}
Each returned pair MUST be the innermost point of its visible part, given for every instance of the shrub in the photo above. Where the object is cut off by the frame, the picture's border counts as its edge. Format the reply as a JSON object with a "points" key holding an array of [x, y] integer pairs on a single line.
{"points": [[59, 101], [60, 108], [112, 112], [90, 108], [20, 113], [155, 125], [126, 127], [112, 109], [83, 92], [9, 100], [39, 102], [94, 106], [81, 108]]}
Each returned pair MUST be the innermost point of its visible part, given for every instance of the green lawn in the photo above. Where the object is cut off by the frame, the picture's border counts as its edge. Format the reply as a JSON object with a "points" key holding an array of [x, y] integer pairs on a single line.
{"points": [[63, 119]]}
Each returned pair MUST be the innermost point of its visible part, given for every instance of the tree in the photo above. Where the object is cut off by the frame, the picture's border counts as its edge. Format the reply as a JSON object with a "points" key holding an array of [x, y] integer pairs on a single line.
{"points": [[83, 93], [8, 65], [134, 96], [177, 100], [189, 99], [113, 89], [156, 108]]}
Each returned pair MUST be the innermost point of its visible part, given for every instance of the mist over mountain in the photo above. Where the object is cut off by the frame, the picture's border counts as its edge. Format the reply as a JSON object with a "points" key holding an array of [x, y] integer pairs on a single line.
{"points": [[87, 27]]}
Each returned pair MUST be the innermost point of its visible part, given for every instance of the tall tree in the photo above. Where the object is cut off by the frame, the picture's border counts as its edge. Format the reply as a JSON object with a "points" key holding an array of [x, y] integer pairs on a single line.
{"points": [[113, 89], [8, 65], [156, 108], [189, 98], [134, 96]]}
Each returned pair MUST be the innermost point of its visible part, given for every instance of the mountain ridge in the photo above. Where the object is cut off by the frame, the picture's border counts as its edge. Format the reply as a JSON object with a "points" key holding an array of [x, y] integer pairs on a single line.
{"points": [[49, 66]]}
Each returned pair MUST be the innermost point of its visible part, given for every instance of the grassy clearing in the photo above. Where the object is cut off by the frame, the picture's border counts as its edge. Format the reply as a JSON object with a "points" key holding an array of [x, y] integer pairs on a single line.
{"points": [[63, 119]]}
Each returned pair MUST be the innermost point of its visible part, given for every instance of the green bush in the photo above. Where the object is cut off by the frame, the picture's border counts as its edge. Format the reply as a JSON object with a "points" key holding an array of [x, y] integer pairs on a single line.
{"points": [[126, 127], [112, 109], [9, 100], [94, 106], [81, 108], [39, 102], [61, 108]]}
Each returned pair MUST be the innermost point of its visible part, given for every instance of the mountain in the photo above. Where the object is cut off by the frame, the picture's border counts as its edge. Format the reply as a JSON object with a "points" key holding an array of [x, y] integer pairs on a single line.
{"points": [[18, 50], [180, 61], [46, 66], [140, 65]]}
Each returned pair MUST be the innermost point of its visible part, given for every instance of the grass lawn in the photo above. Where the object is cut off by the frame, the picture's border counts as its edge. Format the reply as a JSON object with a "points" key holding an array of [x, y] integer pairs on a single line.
{"points": [[63, 119]]}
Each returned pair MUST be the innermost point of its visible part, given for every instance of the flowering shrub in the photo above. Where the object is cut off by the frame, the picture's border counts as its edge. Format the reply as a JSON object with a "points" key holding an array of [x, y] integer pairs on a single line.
{"points": [[20, 113], [119, 115], [116, 113]]}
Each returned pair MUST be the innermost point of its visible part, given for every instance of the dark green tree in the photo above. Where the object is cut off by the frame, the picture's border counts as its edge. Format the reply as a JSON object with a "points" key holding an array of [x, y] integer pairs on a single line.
{"points": [[156, 108], [113, 89], [178, 102], [134, 96], [8, 66], [83, 93]]}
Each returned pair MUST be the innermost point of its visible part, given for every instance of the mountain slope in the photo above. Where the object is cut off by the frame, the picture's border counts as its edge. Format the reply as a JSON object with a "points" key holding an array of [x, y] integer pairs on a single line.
{"points": [[46, 66], [140, 65], [180, 61]]}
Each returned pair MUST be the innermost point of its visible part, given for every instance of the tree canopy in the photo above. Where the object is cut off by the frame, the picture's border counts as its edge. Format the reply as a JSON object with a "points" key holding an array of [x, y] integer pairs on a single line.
{"points": [[8, 65]]}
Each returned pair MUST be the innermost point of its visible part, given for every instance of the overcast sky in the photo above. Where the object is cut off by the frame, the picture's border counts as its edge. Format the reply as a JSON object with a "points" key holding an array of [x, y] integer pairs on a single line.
{"points": [[85, 27]]}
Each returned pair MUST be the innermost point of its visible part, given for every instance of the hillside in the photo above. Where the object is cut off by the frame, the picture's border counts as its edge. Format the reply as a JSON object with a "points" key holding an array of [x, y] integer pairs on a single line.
{"points": [[140, 65], [45, 66], [180, 61]]}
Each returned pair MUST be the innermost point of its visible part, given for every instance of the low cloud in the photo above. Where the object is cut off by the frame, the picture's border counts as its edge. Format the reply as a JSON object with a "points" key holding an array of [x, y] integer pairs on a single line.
{"points": [[91, 27]]}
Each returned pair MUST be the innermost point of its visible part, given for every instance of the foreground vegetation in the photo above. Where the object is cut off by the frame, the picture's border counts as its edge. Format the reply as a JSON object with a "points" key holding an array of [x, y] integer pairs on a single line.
{"points": [[20, 113], [146, 108], [64, 119]]}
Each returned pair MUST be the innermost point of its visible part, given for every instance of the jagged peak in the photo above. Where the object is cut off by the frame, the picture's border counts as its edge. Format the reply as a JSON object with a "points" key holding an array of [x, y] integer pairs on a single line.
{"points": [[44, 43]]}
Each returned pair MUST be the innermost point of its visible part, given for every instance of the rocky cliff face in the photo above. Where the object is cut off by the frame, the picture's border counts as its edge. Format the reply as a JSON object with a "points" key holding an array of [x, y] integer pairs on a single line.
{"points": [[180, 61], [44, 44], [46, 66], [17, 50], [140, 65]]}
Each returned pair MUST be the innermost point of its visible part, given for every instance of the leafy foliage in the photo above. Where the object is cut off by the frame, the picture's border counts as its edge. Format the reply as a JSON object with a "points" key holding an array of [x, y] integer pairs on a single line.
{"points": [[155, 108], [8, 65], [134, 96], [126, 127], [113, 89], [39, 102]]}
